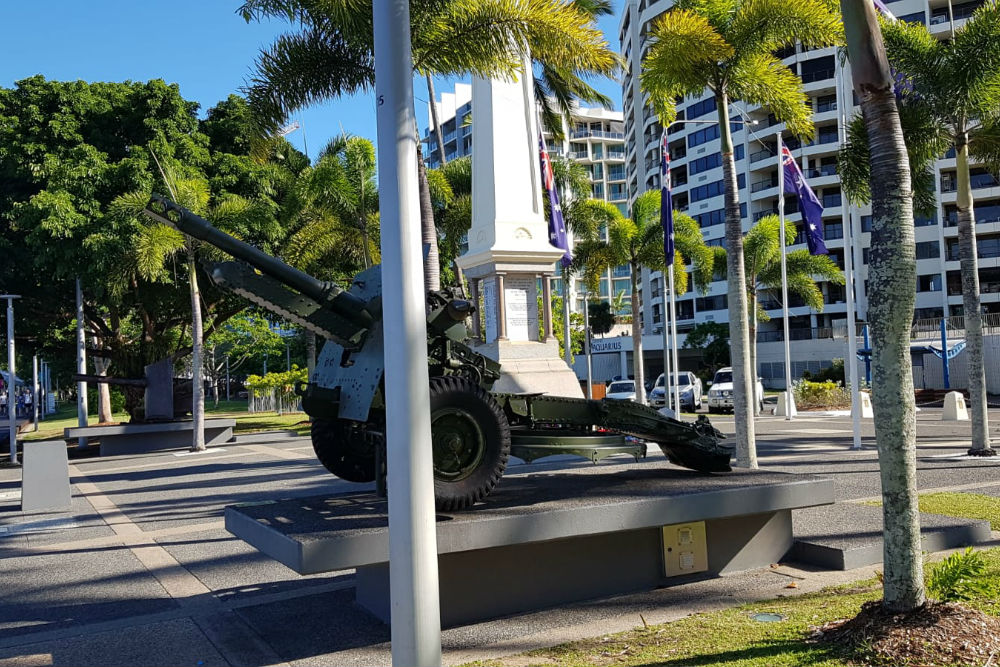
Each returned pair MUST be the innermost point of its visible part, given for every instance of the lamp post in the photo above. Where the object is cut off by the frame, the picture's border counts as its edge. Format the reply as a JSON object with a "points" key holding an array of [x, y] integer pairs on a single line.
{"points": [[81, 366], [12, 382], [34, 392]]}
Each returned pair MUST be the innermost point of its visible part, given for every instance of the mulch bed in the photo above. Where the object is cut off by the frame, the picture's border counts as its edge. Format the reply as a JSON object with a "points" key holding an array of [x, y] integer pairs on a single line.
{"points": [[936, 634]]}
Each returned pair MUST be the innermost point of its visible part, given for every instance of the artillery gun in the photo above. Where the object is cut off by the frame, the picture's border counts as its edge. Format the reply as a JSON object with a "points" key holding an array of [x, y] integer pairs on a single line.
{"points": [[473, 430]]}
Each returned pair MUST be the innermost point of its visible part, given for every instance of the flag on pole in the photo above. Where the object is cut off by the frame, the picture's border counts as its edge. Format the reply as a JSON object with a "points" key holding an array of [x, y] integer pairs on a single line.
{"points": [[812, 210], [666, 202], [557, 226], [880, 6], [288, 129]]}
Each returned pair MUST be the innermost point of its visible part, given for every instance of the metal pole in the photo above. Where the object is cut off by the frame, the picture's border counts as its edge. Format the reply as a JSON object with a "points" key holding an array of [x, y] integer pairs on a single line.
{"points": [[12, 381], [413, 565], [784, 283], [288, 356], [586, 345], [851, 358], [666, 352], [673, 342], [868, 357], [81, 366], [944, 355], [227, 377], [34, 391], [41, 389], [567, 334]]}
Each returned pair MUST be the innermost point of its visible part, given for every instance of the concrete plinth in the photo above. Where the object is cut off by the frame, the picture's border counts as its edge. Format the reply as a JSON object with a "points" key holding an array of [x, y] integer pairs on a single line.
{"points": [[865, 400], [954, 407], [142, 438], [545, 539], [780, 409], [533, 367], [45, 477]]}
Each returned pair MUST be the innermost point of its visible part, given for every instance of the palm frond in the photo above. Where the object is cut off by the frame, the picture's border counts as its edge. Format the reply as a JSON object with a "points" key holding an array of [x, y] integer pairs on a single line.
{"points": [[683, 55], [154, 244], [764, 26], [760, 78], [984, 145]]}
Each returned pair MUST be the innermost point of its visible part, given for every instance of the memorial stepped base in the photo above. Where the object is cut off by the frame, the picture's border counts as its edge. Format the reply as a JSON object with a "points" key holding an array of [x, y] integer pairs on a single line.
{"points": [[548, 538]]}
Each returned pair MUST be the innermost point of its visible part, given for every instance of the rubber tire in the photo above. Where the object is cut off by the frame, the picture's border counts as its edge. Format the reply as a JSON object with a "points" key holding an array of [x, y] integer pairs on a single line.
{"points": [[452, 392], [341, 448]]}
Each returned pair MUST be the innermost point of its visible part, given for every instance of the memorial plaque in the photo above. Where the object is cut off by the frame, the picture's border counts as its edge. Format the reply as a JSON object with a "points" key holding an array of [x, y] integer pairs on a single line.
{"points": [[490, 309], [521, 301]]}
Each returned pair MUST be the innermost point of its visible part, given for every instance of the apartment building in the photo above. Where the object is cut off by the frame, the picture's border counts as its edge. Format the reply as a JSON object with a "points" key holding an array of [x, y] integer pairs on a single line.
{"points": [[592, 136], [817, 338]]}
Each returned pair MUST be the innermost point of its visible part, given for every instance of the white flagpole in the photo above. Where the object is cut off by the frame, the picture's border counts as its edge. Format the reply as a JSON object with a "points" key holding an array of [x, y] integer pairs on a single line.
{"points": [[413, 564], [666, 348], [851, 358], [673, 341], [784, 281]]}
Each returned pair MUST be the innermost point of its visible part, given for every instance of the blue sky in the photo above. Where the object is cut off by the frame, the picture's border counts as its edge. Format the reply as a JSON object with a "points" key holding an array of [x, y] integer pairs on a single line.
{"points": [[202, 45]]}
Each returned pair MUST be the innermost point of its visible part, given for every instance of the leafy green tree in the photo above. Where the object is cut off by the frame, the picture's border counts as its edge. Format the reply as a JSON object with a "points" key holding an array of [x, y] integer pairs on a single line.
{"points": [[602, 320], [637, 242], [241, 341], [951, 99], [892, 274], [728, 47], [712, 338], [333, 54], [762, 259]]}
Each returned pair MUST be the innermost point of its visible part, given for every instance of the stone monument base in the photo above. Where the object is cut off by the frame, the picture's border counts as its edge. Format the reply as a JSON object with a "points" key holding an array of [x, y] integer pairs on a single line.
{"points": [[532, 367]]}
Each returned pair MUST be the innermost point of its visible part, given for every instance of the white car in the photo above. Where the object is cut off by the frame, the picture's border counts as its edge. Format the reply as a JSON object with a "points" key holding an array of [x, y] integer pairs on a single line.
{"points": [[688, 386], [621, 390], [720, 393]]}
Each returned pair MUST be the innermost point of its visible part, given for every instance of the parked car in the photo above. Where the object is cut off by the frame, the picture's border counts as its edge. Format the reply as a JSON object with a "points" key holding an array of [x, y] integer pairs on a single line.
{"points": [[622, 390], [720, 393], [688, 386]]}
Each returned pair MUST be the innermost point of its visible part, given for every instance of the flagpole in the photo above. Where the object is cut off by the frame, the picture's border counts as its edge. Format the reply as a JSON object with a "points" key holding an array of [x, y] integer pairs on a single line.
{"points": [[784, 278], [666, 348], [851, 358], [673, 340]]}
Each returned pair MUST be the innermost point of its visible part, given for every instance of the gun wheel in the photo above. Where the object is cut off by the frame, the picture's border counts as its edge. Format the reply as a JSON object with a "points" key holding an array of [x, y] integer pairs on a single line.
{"points": [[344, 449], [470, 438]]}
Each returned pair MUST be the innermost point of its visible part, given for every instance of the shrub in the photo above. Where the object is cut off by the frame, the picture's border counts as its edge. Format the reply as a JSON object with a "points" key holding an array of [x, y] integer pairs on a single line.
{"points": [[960, 576], [820, 394]]}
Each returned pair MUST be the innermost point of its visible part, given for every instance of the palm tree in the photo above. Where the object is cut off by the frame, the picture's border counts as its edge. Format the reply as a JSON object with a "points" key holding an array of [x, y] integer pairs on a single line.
{"points": [[158, 243], [343, 183], [762, 259], [333, 54], [727, 46], [951, 100], [891, 275], [637, 242]]}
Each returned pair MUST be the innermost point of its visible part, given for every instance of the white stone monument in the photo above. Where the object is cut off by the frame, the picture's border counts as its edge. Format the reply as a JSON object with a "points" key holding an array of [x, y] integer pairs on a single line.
{"points": [[509, 252]]}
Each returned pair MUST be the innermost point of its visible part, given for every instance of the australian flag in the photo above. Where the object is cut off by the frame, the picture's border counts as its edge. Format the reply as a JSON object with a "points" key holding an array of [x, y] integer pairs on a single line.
{"points": [[557, 226], [666, 203], [812, 210]]}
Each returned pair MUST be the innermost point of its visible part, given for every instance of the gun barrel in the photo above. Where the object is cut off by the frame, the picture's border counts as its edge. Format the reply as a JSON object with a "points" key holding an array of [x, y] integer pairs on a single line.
{"points": [[343, 303]]}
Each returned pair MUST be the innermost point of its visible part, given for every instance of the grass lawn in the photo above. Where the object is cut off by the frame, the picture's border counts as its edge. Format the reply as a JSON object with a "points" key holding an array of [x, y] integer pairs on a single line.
{"points": [[967, 505], [732, 637], [65, 417]]}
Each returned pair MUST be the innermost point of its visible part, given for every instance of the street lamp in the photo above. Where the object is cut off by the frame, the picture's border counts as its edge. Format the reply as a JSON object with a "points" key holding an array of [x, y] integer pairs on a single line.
{"points": [[11, 399]]}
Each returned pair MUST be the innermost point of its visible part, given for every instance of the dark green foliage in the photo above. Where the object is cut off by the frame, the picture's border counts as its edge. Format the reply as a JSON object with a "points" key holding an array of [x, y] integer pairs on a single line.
{"points": [[601, 317], [712, 338], [959, 577], [835, 373]]}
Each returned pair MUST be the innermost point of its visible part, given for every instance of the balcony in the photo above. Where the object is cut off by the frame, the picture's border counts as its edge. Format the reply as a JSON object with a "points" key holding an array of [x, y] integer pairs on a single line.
{"points": [[818, 75], [826, 106], [615, 155], [761, 155], [766, 212], [760, 186]]}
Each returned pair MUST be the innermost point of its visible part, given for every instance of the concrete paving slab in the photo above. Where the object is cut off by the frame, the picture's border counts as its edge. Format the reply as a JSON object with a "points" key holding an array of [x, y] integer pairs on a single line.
{"points": [[845, 536], [48, 591], [167, 644]]}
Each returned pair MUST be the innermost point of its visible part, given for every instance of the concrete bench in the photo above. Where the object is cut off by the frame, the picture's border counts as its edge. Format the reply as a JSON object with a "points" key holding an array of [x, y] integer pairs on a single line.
{"points": [[550, 538], [141, 438]]}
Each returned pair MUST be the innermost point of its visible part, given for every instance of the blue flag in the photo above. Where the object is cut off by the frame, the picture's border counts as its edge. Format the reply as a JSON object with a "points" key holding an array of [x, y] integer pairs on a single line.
{"points": [[880, 6], [812, 210], [666, 203], [557, 226]]}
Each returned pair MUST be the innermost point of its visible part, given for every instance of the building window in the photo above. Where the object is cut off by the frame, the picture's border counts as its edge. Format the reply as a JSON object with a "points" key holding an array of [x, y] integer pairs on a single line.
{"points": [[701, 108], [866, 223], [703, 135], [833, 230], [708, 303], [929, 283], [928, 250]]}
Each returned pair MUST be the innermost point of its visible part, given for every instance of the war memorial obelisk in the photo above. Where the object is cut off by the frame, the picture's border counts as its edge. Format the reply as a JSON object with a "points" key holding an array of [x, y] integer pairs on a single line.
{"points": [[509, 252]]}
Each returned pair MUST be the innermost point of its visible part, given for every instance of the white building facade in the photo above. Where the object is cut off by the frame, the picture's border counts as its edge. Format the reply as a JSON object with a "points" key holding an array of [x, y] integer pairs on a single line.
{"points": [[816, 338]]}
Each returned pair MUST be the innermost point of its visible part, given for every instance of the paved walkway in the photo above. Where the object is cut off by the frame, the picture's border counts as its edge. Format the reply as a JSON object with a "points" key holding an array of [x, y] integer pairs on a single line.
{"points": [[142, 572]]}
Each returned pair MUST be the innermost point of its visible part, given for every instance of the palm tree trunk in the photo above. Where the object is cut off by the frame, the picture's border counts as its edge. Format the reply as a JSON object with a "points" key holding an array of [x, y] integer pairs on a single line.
{"points": [[752, 330], [197, 389], [101, 366], [432, 268], [215, 379], [637, 366], [438, 134], [968, 257], [892, 274], [739, 330]]}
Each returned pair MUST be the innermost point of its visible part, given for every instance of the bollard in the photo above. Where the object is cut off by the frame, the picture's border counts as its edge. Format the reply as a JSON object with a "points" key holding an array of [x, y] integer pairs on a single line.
{"points": [[954, 407], [865, 403], [780, 410]]}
